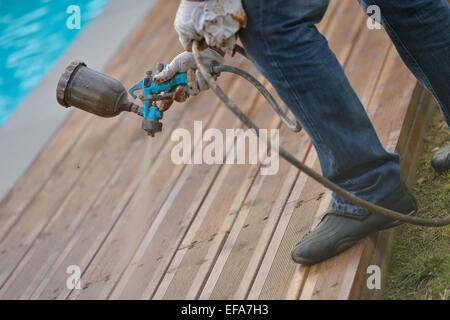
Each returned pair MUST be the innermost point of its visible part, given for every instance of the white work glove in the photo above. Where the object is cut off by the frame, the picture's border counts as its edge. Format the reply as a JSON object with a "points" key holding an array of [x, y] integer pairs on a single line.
{"points": [[185, 62], [216, 21]]}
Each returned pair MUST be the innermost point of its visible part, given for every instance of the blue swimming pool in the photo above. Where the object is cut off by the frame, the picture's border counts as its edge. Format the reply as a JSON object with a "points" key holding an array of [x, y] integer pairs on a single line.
{"points": [[33, 34]]}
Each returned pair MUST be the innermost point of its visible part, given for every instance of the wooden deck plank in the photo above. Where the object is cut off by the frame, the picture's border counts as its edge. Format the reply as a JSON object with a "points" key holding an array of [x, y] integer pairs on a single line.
{"points": [[277, 269], [13, 205], [71, 213], [50, 197], [88, 238]]}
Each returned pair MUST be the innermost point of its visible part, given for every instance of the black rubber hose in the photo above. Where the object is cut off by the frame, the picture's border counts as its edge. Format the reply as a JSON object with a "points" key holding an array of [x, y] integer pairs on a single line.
{"points": [[294, 126], [428, 222]]}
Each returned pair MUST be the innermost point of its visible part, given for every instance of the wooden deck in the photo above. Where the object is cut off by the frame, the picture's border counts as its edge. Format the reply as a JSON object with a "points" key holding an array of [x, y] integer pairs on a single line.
{"points": [[165, 231]]}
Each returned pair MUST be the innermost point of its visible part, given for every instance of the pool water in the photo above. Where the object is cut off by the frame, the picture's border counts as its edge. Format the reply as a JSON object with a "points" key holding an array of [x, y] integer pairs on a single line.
{"points": [[33, 35]]}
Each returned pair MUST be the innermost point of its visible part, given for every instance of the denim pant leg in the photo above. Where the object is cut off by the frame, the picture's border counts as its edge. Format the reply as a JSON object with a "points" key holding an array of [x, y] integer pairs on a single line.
{"points": [[420, 30], [285, 46]]}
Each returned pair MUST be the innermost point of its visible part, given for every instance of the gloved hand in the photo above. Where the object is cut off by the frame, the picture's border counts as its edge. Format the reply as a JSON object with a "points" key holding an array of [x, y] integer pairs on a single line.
{"points": [[185, 62], [216, 21]]}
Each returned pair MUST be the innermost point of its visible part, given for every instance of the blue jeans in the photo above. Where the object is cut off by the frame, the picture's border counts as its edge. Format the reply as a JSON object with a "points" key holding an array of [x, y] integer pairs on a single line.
{"points": [[285, 46]]}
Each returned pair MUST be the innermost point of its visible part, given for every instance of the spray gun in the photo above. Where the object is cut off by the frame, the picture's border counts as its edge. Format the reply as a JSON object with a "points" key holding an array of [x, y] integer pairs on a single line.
{"points": [[97, 93], [152, 92]]}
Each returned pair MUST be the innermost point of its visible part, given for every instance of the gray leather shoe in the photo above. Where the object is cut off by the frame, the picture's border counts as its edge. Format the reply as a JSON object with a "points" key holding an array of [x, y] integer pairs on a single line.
{"points": [[441, 160], [338, 231]]}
